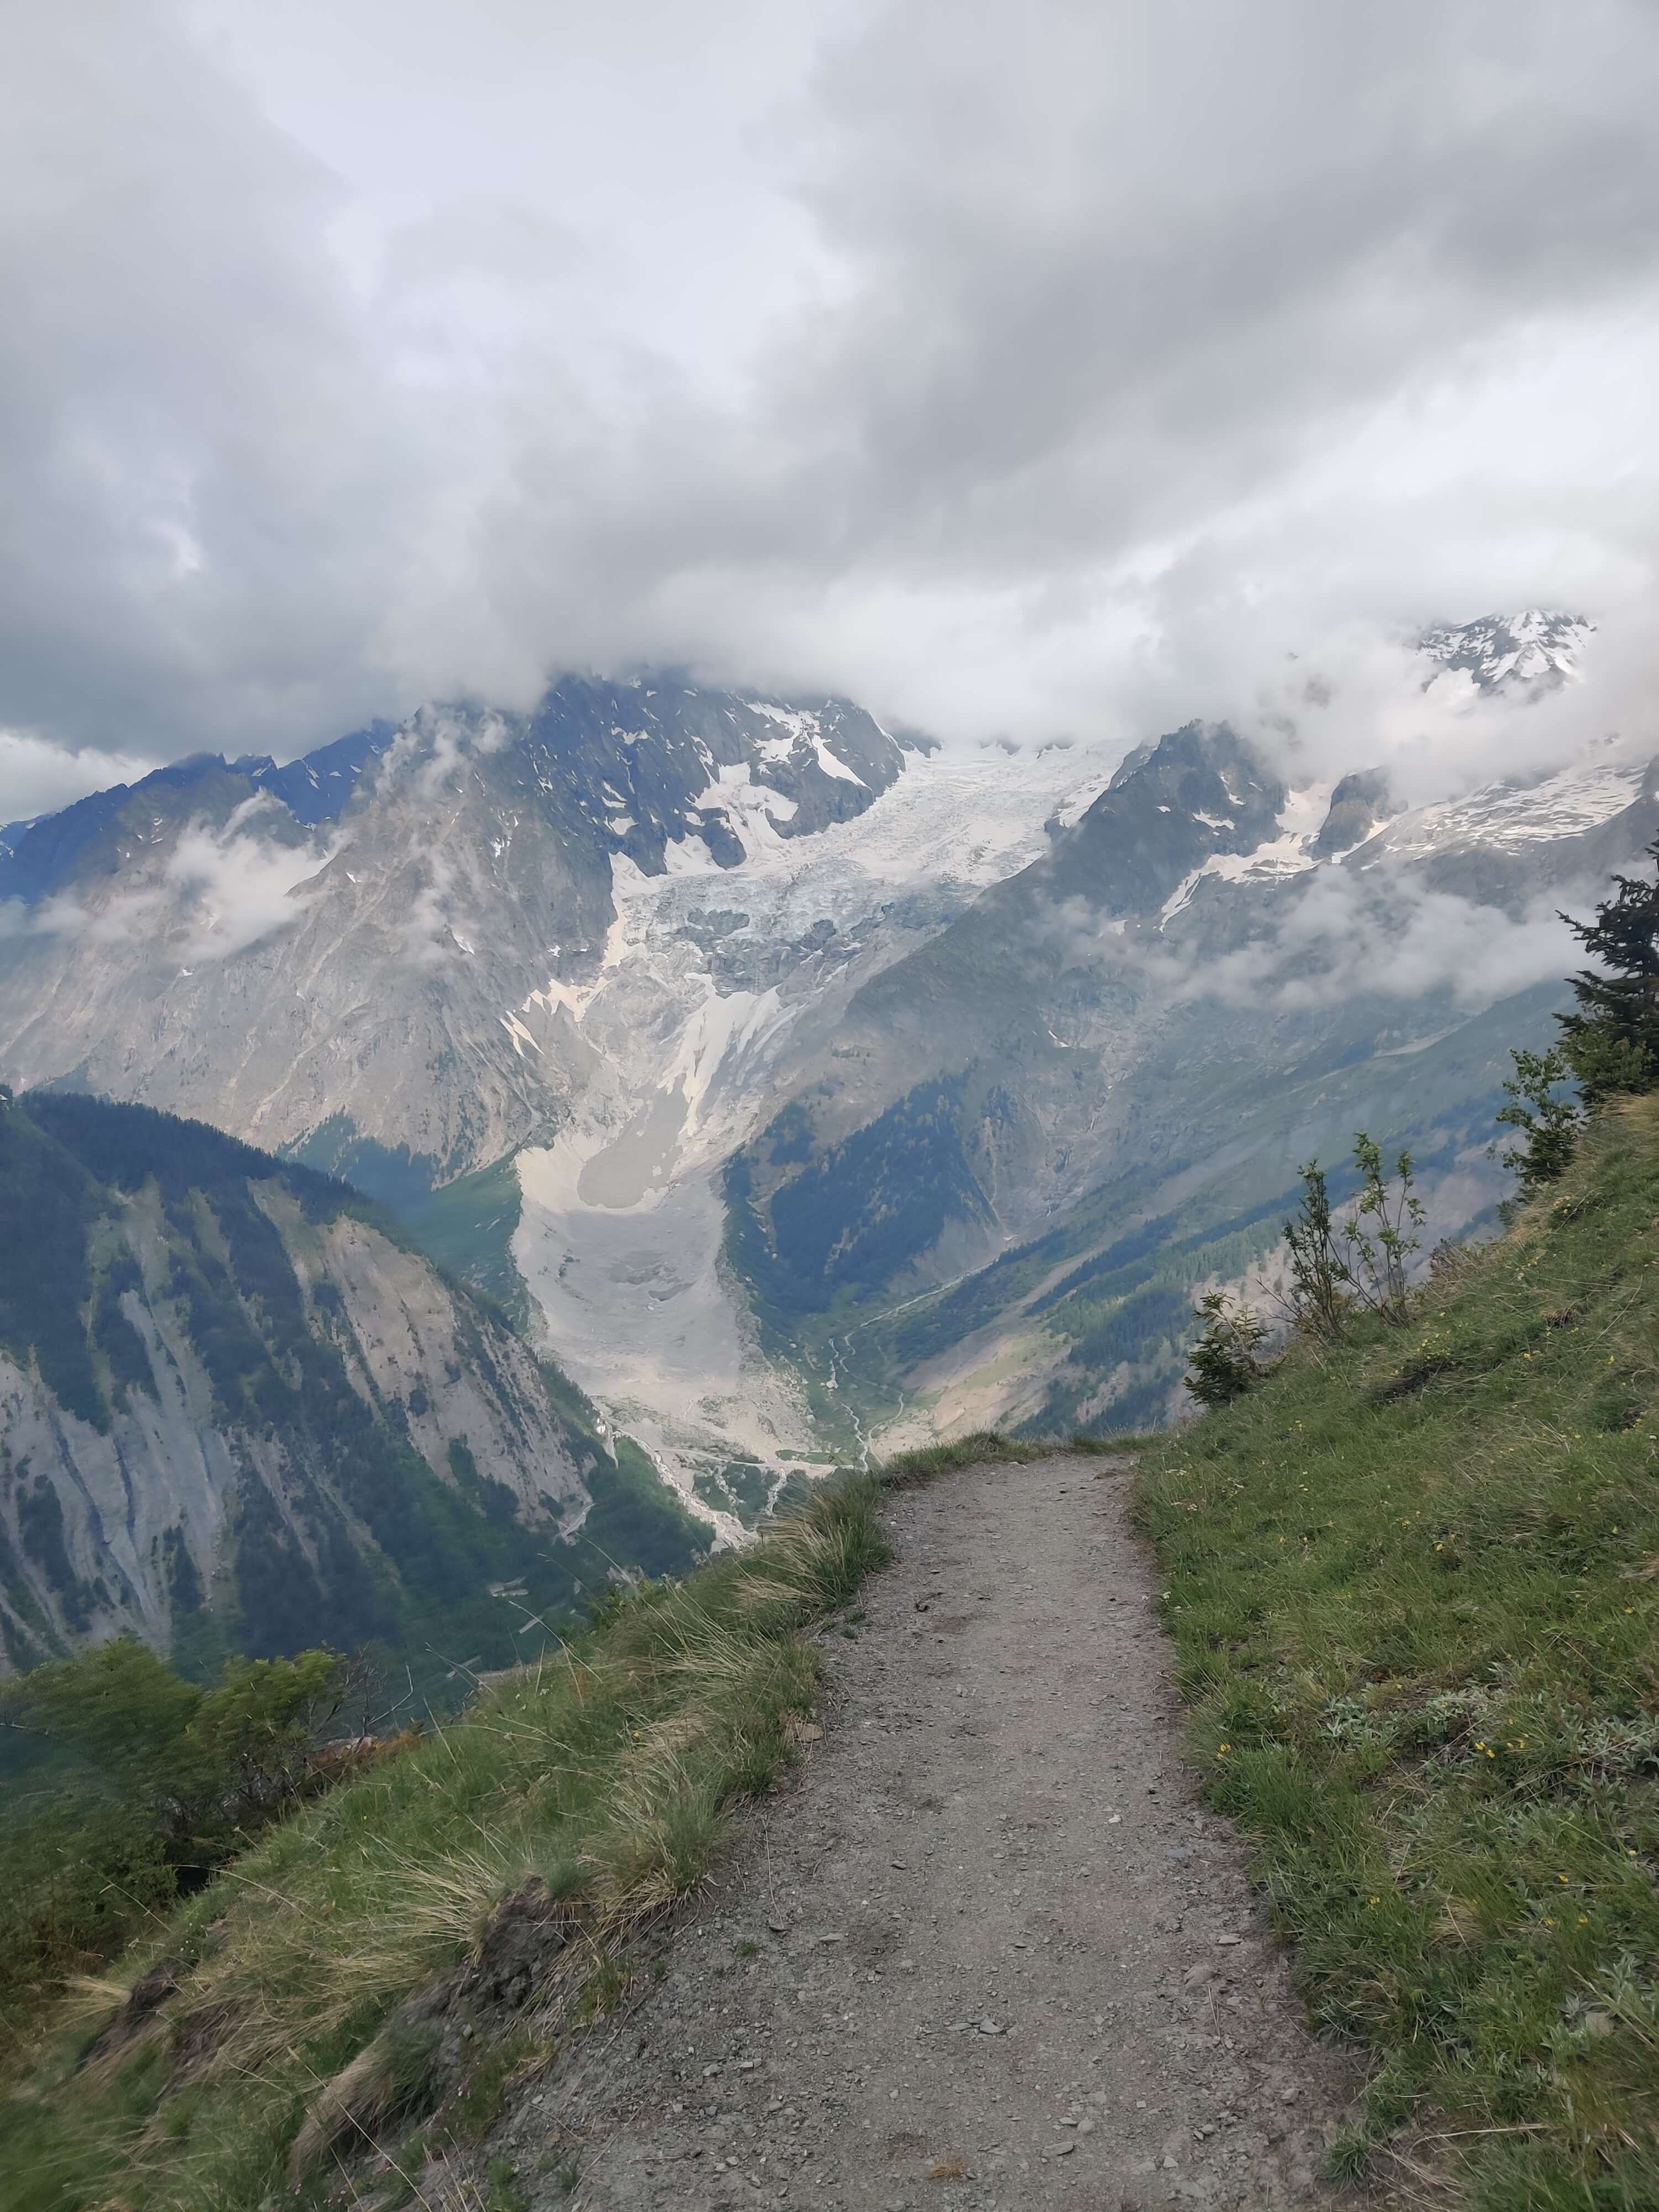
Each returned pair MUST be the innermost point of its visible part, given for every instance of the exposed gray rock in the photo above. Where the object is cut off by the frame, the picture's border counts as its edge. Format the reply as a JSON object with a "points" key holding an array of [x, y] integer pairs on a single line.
{"points": [[241, 1395]]}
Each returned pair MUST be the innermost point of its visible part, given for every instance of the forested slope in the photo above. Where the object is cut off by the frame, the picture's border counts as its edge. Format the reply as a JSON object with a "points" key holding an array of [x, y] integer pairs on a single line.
{"points": [[239, 1412]]}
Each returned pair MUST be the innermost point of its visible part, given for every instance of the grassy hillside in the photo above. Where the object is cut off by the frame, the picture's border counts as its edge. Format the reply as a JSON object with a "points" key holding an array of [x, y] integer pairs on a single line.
{"points": [[466, 1224], [1414, 1584], [317, 1992]]}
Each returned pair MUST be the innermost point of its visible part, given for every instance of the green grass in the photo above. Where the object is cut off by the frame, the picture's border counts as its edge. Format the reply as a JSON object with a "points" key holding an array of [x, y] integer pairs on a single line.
{"points": [[609, 1771], [984, 1444], [1413, 1582]]}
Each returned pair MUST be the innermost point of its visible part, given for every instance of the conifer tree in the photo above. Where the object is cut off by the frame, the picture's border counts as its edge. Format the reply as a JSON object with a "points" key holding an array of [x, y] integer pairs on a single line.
{"points": [[1611, 1041], [1548, 1123]]}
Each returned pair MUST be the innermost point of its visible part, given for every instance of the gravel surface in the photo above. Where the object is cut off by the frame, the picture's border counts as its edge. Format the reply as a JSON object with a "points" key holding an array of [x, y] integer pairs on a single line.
{"points": [[985, 1947]]}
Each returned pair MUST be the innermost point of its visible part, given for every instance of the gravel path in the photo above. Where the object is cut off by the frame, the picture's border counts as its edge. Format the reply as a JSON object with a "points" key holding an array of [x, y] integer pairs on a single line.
{"points": [[987, 1948]]}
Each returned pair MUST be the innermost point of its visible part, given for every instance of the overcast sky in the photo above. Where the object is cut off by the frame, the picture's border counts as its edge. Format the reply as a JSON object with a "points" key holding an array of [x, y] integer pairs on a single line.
{"points": [[1012, 365]]}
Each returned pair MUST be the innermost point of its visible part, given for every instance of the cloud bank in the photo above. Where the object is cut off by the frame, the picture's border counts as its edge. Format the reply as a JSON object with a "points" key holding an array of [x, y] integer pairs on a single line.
{"points": [[1016, 366], [218, 892], [1343, 937]]}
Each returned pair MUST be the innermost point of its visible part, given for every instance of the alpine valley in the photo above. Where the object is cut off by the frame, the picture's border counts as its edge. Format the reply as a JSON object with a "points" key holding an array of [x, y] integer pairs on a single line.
{"points": [[794, 1083]]}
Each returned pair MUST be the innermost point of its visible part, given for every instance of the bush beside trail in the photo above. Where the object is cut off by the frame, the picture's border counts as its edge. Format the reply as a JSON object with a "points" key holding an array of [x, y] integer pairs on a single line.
{"points": [[126, 1787]]}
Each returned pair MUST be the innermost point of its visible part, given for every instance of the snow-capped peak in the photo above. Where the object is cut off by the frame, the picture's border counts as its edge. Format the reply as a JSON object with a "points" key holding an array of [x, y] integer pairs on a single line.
{"points": [[1533, 651], [1510, 817]]}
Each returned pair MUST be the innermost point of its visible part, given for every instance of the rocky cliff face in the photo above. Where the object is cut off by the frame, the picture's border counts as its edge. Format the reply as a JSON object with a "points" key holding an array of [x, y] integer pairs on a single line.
{"points": [[233, 1406], [382, 940]]}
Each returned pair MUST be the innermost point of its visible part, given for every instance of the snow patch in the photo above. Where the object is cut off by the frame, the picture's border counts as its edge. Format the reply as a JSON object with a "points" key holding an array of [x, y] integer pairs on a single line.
{"points": [[1508, 817], [831, 766], [1290, 854]]}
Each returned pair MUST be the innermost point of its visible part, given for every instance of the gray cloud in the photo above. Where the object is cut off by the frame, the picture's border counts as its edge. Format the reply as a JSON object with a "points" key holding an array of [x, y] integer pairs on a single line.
{"points": [[218, 892], [1114, 274], [1026, 366], [37, 777], [1344, 938], [1334, 939], [206, 488]]}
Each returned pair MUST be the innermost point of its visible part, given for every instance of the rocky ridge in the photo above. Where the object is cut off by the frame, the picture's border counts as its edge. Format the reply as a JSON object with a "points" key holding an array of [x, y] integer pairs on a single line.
{"points": [[386, 939]]}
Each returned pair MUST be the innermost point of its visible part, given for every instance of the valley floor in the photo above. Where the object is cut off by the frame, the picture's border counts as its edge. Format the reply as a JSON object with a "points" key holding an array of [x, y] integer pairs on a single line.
{"points": [[988, 1947]]}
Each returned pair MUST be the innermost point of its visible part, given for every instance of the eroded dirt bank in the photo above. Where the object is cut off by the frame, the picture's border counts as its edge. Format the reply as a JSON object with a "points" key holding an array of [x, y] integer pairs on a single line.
{"points": [[986, 1948]]}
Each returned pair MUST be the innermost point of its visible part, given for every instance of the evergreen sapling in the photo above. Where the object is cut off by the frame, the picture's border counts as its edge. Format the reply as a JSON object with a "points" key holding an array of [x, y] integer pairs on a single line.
{"points": [[1223, 1363], [1611, 1041], [1547, 1124]]}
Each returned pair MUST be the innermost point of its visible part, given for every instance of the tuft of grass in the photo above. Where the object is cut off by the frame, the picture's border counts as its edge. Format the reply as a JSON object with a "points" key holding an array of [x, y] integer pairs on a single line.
{"points": [[1114, 1446], [1413, 1585], [503, 2185], [975, 1451], [609, 1771]]}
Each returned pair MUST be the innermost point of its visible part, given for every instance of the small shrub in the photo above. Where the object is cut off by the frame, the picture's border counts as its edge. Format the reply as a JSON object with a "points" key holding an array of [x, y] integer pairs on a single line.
{"points": [[1380, 1232], [144, 1784], [1223, 1363], [1363, 1263], [1319, 1298]]}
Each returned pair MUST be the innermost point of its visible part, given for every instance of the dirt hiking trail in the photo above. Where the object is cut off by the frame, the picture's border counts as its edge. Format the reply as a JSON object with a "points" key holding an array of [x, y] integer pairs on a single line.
{"points": [[985, 1947]]}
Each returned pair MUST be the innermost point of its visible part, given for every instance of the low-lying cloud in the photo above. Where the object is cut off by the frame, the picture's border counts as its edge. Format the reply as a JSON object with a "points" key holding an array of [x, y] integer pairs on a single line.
{"points": [[1333, 936], [219, 892], [234, 887], [38, 777], [1339, 936]]}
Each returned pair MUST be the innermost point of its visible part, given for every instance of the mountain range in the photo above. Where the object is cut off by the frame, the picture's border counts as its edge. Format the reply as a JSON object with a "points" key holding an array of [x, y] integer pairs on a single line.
{"points": [[793, 1081]]}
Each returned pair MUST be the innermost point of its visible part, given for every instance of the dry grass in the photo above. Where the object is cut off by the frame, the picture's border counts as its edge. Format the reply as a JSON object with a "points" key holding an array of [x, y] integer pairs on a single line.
{"points": [[609, 1772]]}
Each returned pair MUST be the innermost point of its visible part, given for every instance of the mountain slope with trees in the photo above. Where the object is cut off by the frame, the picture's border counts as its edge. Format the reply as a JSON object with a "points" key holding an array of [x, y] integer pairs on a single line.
{"points": [[239, 1412]]}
